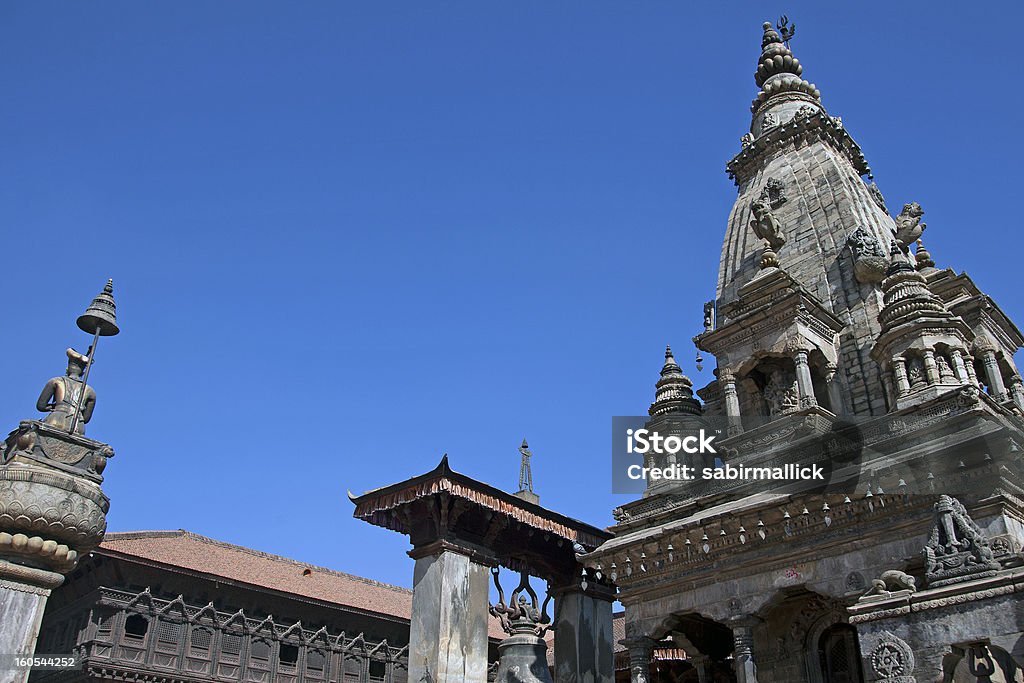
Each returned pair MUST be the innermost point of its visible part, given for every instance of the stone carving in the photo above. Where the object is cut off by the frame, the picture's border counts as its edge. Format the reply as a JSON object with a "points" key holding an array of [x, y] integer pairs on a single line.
{"points": [[765, 225], [769, 121], [892, 660], [62, 396], [944, 368], [869, 258], [876, 196], [892, 580], [806, 112], [774, 193], [780, 393], [854, 581], [746, 140], [909, 226], [915, 371], [709, 315], [957, 549]]}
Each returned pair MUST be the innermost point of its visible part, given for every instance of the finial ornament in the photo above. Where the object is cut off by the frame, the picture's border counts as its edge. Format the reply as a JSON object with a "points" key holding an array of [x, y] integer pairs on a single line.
{"points": [[769, 259], [786, 29]]}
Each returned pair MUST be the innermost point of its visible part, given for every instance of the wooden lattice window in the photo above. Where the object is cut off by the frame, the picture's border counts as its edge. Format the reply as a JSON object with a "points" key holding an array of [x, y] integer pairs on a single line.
{"points": [[315, 663], [168, 635], [230, 647], [199, 642], [288, 656], [259, 655]]}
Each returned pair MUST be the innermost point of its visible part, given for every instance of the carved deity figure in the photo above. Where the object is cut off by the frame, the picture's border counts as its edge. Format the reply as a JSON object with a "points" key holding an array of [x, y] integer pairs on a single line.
{"points": [[908, 225], [915, 371], [62, 396], [780, 393], [945, 370], [765, 225]]}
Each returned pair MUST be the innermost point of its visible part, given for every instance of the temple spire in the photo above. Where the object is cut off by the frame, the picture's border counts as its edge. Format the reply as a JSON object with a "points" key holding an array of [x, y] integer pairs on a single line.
{"points": [[674, 390], [779, 72], [526, 475]]}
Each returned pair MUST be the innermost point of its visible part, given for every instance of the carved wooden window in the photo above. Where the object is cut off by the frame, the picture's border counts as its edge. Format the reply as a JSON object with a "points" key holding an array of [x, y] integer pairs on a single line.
{"points": [[135, 628], [377, 670], [104, 626], [230, 648], [288, 656], [840, 655], [353, 669], [259, 655], [168, 635], [316, 661], [199, 642]]}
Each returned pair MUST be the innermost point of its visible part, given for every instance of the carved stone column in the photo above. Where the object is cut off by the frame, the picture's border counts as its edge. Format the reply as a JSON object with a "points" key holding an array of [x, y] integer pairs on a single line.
{"points": [[995, 378], [931, 370], [835, 396], [899, 371], [959, 369], [732, 403], [1017, 391], [448, 629], [584, 647], [804, 384], [971, 374], [743, 642], [640, 651]]}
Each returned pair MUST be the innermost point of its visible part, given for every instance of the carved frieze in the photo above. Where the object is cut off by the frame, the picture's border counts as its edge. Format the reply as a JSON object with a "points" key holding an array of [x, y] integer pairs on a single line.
{"points": [[892, 660], [957, 549]]}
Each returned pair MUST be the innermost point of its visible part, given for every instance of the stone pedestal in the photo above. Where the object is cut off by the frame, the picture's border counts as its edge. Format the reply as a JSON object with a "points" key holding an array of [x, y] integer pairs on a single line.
{"points": [[23, 594], [584, 650], [448, 630]]}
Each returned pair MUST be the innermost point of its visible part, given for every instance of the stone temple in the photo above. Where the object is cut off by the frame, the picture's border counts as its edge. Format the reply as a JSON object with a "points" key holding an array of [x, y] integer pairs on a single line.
{"points": [[837, 341]]}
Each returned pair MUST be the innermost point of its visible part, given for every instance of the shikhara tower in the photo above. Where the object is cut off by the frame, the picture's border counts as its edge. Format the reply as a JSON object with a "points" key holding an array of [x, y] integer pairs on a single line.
{"points": [[823, 313]]}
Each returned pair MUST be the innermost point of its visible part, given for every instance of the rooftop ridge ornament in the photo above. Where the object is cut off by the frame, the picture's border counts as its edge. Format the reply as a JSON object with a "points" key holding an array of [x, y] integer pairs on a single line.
{"points": [[100, 319], [526, 475]]}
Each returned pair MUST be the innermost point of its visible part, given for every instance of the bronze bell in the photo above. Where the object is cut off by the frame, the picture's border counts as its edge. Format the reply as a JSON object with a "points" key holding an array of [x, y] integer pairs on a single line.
{"points": [[101, 315]]}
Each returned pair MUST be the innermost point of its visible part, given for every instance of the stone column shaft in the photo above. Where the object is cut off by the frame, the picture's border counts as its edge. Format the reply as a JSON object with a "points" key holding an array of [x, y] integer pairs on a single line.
{"points": [[448, 629], [732, 404], [835, 396], [23, 595], [899, 371], [584, 648], [959, 369], [995, 378], [640, 651], [931, 370], [743, 656], [1017, 391], [969, 366], [804, 384]]}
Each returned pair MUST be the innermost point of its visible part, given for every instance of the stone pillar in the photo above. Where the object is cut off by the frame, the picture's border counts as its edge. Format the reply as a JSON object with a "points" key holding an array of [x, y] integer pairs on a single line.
{"points": [[743, 655], [584, 646], [1017, 391], [448, 629], [835, 396], [640, 651], [995, 378], [804, 384], [899, 371], [969, 366], [931, 371], [23, 594], [959, 369], [732, 403]]}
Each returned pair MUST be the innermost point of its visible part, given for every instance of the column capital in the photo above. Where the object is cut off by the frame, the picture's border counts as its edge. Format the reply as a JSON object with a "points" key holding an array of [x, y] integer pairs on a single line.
{"points": [[444, 545]]}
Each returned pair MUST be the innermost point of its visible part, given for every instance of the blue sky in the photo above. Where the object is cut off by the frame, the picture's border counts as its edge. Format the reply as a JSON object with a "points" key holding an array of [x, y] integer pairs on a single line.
{"points": [[347, 238]]}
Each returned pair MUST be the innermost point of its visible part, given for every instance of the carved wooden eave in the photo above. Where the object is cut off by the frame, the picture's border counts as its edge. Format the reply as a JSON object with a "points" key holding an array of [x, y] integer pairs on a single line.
{"points": [[797, 133], [443, 509], [773, 303]]}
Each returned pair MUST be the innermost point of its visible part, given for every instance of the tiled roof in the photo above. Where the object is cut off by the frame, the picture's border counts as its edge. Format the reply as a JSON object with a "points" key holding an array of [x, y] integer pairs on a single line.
{"points": [[189, 551], [197, 553]]}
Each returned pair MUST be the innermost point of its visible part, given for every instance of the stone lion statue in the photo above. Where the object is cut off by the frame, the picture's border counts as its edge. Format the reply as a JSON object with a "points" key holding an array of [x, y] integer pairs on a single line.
{"points": [[765, 225], [908, 225], [891, 580]]}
